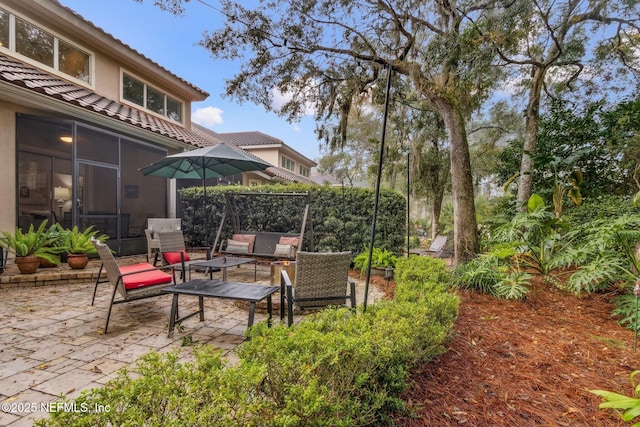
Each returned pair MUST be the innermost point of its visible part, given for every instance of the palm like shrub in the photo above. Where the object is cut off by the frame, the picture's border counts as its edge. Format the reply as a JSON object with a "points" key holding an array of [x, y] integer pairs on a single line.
{"points": [[533, 243], [608, 257], [381, 258], [601, 254], [79, 242], [541, 242], [39, 242]]}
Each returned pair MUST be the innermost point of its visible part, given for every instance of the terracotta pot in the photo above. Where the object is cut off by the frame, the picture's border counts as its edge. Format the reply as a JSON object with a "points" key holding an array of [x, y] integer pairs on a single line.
{"points": [[46, 264], [28, 264], [77, 261]]}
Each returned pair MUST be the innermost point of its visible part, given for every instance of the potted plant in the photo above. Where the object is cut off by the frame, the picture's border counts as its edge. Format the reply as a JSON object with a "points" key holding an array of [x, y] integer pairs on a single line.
{"points": [[56, 243], [78, 244], [382, 259], [31, 246]]}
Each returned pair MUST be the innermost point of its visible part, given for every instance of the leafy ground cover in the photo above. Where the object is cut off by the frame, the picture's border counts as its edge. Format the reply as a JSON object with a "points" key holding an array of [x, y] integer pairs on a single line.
{"points": [[526, 363]]}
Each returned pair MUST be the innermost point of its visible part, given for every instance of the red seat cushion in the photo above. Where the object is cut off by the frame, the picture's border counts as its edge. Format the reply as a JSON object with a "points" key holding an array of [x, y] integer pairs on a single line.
{"points": [[125, 269], [146, 278], [174, 257]]}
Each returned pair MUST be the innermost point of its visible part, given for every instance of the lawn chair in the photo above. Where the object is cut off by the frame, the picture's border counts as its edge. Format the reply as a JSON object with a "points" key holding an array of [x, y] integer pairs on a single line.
{"points": [[132, 282], [158, 225], [173, 250], [438, 246], [320, 280]]}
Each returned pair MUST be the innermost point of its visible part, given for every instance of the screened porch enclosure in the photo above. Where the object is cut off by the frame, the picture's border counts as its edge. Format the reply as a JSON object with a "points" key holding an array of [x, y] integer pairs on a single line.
{"points": [[76, 174]]}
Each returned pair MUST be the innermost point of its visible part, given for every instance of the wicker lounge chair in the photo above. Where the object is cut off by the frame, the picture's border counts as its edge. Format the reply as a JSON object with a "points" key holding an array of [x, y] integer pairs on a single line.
{"points": [[173, 250], [158, 225], [132, 282], [321, 280]]}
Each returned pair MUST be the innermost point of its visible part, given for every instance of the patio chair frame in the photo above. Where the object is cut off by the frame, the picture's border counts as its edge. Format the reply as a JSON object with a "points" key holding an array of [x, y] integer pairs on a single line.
{"points": [[116, 275], [321, 280], [173, 241], [158, 225]]}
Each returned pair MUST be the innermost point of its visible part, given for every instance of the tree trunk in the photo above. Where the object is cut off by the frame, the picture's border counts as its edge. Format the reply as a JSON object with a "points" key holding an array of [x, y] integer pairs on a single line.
{"points": [[525, 182], [465, 228], [436, 208], [439, 177]]}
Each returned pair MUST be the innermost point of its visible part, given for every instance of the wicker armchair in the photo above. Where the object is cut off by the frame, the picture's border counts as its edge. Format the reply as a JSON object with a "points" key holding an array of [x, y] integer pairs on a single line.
{"points": [[132, 282], [173, 250], [320, 280], [158, 225]]}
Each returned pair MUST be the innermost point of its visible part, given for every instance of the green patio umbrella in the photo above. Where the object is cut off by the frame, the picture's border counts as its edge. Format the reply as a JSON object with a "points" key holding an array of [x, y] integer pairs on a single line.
{"points": [[215, 161]]}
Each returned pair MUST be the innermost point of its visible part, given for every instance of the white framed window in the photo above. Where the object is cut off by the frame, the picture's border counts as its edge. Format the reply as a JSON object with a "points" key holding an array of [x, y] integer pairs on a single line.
{"points": [[138, 92], [304, 171], [40, 46], [287, 163]]}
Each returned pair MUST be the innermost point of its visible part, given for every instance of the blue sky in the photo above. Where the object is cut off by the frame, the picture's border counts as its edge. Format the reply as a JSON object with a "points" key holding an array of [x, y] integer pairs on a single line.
{"points": [[171, 41]]}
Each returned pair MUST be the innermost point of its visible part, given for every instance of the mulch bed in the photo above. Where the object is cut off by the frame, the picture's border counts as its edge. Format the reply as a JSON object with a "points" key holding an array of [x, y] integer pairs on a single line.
{"points": [[527, 363]]}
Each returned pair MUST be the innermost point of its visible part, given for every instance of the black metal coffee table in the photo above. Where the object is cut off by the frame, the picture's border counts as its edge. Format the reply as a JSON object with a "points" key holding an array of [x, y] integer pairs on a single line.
{"points": [[223, 262], [215, 289]]}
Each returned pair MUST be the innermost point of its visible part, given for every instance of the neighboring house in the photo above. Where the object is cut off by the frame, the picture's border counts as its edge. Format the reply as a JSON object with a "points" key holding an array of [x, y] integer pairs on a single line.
{"points": [[80, 113], [325, 179], [289, 164]]}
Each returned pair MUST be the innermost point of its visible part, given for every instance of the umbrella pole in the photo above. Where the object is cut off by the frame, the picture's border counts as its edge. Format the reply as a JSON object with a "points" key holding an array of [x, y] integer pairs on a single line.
{"points": [[204, 201]]}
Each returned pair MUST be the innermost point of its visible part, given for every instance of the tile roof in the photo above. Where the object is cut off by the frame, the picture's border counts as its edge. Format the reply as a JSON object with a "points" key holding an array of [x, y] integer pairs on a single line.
{"points": [[288, 175], [252, 139], [20, 74], [247, 139], [26, 76]]}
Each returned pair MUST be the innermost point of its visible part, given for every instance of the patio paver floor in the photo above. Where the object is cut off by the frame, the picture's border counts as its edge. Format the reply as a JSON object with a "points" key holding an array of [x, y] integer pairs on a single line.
{"points": [[51, 343]]}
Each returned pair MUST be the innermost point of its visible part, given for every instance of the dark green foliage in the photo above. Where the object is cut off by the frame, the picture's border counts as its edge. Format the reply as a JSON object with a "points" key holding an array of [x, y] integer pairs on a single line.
{"points": [[596, 250], [627, 311], [607, 254], [600, 142], [532, 243], [607, 258], [338, 367], [341, 217], [600, 207]]}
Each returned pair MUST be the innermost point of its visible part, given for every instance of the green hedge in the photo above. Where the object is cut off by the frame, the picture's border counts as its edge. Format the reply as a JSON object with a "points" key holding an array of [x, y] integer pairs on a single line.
{"points": [[341, 217], [338, 367]]}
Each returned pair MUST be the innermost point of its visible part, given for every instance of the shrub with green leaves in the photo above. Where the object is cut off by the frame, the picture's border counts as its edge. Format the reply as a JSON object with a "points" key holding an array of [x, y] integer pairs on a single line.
{"points": [[603, 206], [337, 367], [422, 269], [493, 273], [630, 405], [607, 258], [381, 258], [533, 243]]}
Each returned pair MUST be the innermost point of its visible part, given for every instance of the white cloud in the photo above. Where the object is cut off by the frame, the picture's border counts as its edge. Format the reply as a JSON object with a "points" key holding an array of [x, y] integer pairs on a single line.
{"points": [[279, 99], [207, 116]]}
